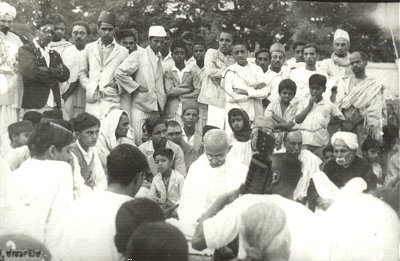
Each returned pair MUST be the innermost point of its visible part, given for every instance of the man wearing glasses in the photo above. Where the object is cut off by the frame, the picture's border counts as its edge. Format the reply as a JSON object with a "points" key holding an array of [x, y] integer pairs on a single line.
{"points": [[42, 71]]}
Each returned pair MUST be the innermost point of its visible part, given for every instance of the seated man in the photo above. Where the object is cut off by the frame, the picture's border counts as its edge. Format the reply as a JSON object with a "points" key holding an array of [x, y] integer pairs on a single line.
{"points": [[174, 134], [291, 224], [18, 133], [37, 195], [156, 129], [86, 159], [115, 129], [90, 228], [213, 174]]}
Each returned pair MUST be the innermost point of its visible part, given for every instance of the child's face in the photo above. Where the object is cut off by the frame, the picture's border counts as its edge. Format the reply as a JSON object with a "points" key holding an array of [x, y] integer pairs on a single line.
{"points": [[316, 91], [198, 52], [163, 163], [286, 96], [373, 154], [178, 55], [328, 156], [237, 123], [21, 139], [240, 54]]}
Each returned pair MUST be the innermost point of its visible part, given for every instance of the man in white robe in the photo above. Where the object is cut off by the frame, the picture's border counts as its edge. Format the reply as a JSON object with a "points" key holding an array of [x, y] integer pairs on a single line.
{"points": [[214, 173]]}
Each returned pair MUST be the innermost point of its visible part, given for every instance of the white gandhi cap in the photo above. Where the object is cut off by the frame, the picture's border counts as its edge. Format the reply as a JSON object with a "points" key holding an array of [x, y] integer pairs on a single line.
{"points": [[341, 34], [157, 30]]}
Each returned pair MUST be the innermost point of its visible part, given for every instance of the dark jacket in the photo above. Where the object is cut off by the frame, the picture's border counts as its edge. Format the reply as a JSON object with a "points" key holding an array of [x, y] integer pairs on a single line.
{"points": [[39, 82]]}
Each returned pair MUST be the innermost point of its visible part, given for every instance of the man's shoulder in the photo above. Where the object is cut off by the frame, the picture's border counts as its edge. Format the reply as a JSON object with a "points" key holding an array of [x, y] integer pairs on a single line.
{"points": [[174, 147]]}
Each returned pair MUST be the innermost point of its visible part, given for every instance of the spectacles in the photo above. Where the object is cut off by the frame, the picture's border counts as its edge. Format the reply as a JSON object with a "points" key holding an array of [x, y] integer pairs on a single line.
{"points": [[76, 33], [217, 157]]}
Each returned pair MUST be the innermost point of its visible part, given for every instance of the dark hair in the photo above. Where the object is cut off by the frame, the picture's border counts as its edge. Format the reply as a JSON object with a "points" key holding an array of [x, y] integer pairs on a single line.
{"points": [[199, 40], [32, 116], [84, 121], [227, 31], [157, 242], [130, 216], [153, 122], [43, 21], [164, 152], [66, 124], [173, 123], [124, 164], [262, 50], [327, 148], [240, 41], [370, 143], [289, 166], [46, 135], [287, 84], [297, 43], [390, 134], [125, 33], [187, 35], [178, 43], [81, 23], [235, 112], [363, 55], [128, 24], [312, 45], [57, 19], [317, 79]]}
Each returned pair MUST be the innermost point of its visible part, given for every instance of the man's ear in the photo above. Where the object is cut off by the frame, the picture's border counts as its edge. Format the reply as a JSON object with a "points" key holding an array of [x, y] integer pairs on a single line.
{"points": [[276, 175], [51, 152]]}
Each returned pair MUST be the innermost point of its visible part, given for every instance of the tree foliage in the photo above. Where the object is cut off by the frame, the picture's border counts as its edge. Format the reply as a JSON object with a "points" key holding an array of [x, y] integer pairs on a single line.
{"points": [[258, 21]]}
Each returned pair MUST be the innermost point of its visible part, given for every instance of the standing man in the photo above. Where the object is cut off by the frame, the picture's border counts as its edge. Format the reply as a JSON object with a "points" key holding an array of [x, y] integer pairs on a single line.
{"points": [[275, 73], [361, 100], [263, 59], [141, 75], [188, 37], [73, 93], [298, 59], [59, 44], [167, 61], [42, 71], [339, 64], [301, 75], [127, 39], [7, 16], [100, 60]]}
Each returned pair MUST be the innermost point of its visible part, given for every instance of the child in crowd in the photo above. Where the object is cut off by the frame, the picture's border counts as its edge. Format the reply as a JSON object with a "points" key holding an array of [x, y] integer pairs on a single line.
{"points": [[372, 151], [327, 153], [315, 114], [167, 185], [18, 134], [181, 82], [239, 123]]}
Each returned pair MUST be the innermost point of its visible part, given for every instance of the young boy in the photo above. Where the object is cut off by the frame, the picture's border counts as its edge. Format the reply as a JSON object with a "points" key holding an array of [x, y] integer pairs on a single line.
{"points": [[166, 188], [243, 84], [371, 150], [315, 114], [18, 133], [181, 83], [327, 154]]}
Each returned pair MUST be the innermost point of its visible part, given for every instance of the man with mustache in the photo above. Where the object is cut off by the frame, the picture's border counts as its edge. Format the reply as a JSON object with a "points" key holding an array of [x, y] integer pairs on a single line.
{"points": [[42, 71], [7, 16], [100, 60]]}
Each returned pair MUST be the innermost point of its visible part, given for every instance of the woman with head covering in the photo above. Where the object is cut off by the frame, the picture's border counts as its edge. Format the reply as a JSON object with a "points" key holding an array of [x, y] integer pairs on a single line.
{"points": [[115, 129], [347, 164]]}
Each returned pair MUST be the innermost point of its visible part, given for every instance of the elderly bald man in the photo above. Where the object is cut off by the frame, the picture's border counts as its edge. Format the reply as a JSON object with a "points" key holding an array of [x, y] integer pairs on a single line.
{"points": [[214, 173]]}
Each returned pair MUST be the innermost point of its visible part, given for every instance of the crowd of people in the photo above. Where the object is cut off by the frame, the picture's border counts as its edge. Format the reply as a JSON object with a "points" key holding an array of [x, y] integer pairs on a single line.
{"points": [[114, 151]]}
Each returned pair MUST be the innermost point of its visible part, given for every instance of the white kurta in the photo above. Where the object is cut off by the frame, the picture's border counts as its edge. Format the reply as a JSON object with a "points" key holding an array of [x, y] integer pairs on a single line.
{"points": [[35, 200], [199, 190], [301, 77], [90, 228]]}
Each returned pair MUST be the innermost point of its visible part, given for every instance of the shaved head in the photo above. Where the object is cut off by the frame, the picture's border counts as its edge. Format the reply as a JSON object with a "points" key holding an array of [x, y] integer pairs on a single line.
{"points": [[293, 143], [216, 147]]}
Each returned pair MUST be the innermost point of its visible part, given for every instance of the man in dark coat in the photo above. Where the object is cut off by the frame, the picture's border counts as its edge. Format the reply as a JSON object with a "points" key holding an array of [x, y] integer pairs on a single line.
{"points": [[42, 71]]}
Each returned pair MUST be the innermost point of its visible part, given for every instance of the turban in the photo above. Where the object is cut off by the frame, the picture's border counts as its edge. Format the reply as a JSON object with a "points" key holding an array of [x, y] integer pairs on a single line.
{"points": [[277, 47], [7, 9], [157, 30], [349, 138], [339, 33], [107, 17], [191, 104], [20, 126], [263, 122], [84, 121]]}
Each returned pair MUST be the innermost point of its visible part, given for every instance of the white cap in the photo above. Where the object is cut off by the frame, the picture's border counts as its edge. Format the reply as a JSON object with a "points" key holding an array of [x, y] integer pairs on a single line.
{"points": [[7, 9], [157, 30], [341, 34]]}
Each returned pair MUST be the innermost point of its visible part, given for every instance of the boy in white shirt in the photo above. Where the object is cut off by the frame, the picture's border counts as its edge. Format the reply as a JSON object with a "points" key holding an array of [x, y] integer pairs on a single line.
{"points": [[166, 188]]}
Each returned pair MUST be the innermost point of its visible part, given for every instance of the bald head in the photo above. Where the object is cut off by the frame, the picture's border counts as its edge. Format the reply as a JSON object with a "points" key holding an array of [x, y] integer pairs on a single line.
{"points": [[293, 143], [216, 147], [358, 63]]}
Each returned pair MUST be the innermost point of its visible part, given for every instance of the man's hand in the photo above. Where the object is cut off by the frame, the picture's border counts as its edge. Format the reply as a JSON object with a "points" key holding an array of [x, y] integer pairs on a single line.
{"points": [[324, 203], [240, 91], [113, 85], [312, 100]]}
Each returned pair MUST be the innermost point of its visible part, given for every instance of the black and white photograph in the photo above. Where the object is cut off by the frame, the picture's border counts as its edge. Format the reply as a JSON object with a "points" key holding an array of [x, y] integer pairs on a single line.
{"points": [[199, 130]]}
